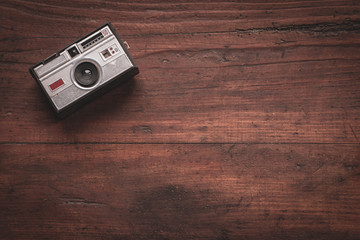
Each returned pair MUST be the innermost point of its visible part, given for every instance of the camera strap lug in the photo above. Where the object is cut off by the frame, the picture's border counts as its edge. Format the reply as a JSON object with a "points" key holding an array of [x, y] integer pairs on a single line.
{"points": [[126, 44]]}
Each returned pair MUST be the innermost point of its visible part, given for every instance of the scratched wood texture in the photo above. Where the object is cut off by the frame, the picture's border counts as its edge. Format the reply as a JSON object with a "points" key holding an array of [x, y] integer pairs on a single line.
{"points": [[244, 123]]}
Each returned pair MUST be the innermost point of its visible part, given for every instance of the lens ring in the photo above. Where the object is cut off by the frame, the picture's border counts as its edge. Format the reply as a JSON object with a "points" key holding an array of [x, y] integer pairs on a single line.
{"points": [[86, 74]]}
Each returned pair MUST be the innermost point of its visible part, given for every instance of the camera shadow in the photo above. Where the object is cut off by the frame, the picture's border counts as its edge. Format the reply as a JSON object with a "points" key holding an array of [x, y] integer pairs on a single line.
{"points": [[95, 111]]}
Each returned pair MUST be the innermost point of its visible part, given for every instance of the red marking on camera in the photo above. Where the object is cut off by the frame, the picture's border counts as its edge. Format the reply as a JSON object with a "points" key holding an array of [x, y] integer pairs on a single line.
{"points": [[56, 84], [105, 32]]}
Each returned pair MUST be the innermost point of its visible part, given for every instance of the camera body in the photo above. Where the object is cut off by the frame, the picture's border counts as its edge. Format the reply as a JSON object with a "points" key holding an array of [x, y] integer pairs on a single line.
{"points": [[84, 70]]}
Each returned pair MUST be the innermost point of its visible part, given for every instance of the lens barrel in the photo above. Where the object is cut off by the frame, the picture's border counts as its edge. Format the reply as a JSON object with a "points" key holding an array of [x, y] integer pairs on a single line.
{"points": [[86, 74]]}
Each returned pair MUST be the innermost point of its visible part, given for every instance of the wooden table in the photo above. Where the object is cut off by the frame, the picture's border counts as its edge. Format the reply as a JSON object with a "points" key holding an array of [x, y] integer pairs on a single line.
{"points": [[244, 123]]}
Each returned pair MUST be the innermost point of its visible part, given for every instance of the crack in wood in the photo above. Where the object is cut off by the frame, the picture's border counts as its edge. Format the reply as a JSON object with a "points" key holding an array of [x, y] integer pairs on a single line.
{"points": [[348, 25], [80, 201], [353, 132]]}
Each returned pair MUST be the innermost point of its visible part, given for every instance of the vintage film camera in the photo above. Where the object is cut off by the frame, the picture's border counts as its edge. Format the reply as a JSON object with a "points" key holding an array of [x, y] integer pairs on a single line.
{"points": [[83, 70]]}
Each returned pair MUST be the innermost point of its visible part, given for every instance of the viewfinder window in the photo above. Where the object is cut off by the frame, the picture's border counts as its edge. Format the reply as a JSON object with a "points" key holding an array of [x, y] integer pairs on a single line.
{"points": [[73, 51]]}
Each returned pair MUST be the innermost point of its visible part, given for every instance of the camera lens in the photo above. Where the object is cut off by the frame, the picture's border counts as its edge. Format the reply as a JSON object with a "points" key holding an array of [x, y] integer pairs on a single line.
{"points": [[86, 74]]}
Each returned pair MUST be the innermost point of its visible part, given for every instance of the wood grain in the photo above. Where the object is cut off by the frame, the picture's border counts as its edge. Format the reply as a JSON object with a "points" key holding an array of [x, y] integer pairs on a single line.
{"points": [[162, 191], [300, 87], [244, 123]]}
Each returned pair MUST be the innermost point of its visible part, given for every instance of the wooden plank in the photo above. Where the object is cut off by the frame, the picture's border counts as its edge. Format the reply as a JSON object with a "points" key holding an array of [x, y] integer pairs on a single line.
{"points": [[175, 191], [163, 17], [287, 86]]}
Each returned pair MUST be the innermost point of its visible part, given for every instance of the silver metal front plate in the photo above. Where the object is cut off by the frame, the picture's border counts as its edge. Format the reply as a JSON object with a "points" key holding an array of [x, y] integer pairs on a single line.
{"points": [[59, 84]]}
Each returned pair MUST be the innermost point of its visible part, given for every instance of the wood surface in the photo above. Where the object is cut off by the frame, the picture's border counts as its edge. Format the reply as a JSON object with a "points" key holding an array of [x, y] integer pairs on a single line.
{"points": [[244, 123]]}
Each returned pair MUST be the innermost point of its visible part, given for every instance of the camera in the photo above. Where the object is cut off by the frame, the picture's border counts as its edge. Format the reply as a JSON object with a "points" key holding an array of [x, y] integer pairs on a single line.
{"points": [[84, 70]]}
